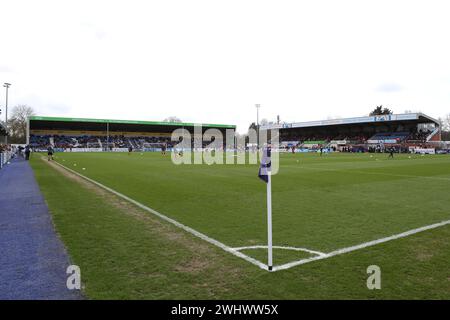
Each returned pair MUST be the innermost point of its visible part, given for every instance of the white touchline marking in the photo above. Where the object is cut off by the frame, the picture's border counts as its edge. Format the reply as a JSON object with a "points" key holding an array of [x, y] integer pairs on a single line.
{"points": [[174, 222], [360, 246], [318, 253]]}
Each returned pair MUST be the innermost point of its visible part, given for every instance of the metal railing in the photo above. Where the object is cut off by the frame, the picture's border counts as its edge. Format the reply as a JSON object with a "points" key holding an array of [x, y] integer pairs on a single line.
{"points": [[431, 135]]}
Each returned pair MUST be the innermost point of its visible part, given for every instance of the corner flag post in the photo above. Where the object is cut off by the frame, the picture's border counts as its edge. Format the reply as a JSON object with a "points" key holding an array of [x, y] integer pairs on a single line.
{"points": [[264, 174], [269, 221]]}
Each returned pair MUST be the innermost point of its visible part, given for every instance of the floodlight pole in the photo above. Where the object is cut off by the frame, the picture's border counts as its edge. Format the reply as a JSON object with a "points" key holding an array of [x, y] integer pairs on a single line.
{"points": [[6, 85], [257, 125]]}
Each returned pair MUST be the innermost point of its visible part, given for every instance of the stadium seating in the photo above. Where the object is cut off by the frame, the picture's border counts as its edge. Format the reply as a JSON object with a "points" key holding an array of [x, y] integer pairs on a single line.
{"points": [[311, 142], [390, 136], [359, 142], [418, 136], [359, 138], [136, 142], [39, 141], [64, 142]]}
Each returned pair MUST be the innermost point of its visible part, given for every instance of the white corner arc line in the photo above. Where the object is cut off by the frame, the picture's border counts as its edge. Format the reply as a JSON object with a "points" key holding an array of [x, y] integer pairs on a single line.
{"points": [[172, 221], [317, 253], [361, 246]]}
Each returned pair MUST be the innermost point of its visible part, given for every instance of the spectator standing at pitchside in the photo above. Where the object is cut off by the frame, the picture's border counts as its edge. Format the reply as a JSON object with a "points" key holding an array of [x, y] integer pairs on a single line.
{"points": [[50, 152], [27, 152], [391, 153]]}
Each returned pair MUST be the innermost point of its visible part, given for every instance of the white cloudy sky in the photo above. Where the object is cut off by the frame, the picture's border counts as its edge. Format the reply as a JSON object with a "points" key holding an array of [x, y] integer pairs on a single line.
{"points": [[211, 61]]}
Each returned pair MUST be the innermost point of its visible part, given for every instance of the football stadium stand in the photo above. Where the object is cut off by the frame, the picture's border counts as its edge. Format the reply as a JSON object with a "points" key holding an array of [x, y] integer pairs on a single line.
{"points": [[402, 132], [372, 133], [79, 134]]}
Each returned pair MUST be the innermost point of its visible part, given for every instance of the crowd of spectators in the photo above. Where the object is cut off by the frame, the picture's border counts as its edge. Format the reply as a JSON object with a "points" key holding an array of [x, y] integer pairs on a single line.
{"points": [[10, 152], [39, 141], [4, 148], [142, 142], [114, 141], [64, 142], [420, 135], [324, 138]]}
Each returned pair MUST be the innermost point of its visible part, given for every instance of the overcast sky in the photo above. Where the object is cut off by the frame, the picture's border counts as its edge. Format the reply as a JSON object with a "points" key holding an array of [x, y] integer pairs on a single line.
{"points": [[212, 61]]}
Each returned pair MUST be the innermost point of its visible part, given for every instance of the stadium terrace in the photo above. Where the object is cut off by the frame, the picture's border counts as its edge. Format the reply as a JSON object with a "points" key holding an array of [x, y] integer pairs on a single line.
{"points": [[399, 132], [81, 134], [402, 132]]}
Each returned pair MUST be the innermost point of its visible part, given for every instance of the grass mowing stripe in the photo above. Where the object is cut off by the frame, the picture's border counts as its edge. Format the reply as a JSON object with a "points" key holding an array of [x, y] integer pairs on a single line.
{"points": [[125, 253], [127, 258], [361, 246], [318, 210], [174, 222], [369, 172]]}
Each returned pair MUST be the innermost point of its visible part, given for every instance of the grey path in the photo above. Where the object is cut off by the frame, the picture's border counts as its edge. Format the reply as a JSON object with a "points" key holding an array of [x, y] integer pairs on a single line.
{"points": [[33, 260]]}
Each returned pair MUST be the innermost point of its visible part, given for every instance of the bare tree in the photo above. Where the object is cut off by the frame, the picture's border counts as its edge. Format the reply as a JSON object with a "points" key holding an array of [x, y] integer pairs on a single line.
{"points": [[379, 110], [446, 123], [17, 124], [172, 119]]}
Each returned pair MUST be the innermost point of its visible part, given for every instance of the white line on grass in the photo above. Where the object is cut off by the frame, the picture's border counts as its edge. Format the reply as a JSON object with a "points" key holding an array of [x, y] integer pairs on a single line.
{"points": [[318, 253], [236, 251], [174, 222], [361, 246]]}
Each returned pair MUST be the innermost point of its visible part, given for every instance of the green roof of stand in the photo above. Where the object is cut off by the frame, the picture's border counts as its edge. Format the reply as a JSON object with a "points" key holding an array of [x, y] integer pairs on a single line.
{"points": [[157, 123]]}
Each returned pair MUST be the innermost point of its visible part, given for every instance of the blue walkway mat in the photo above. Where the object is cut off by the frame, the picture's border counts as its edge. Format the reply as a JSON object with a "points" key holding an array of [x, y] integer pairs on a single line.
{"points": [[33, 260]]}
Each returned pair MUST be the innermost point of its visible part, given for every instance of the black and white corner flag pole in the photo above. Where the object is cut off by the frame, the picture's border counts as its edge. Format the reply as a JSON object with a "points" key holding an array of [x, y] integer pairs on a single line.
{"points": [[269, 221], [265, 175]]}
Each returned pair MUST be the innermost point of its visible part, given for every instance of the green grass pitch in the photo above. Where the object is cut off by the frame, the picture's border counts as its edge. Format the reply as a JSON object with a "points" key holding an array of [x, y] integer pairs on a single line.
{"points": [[319, 203]]}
